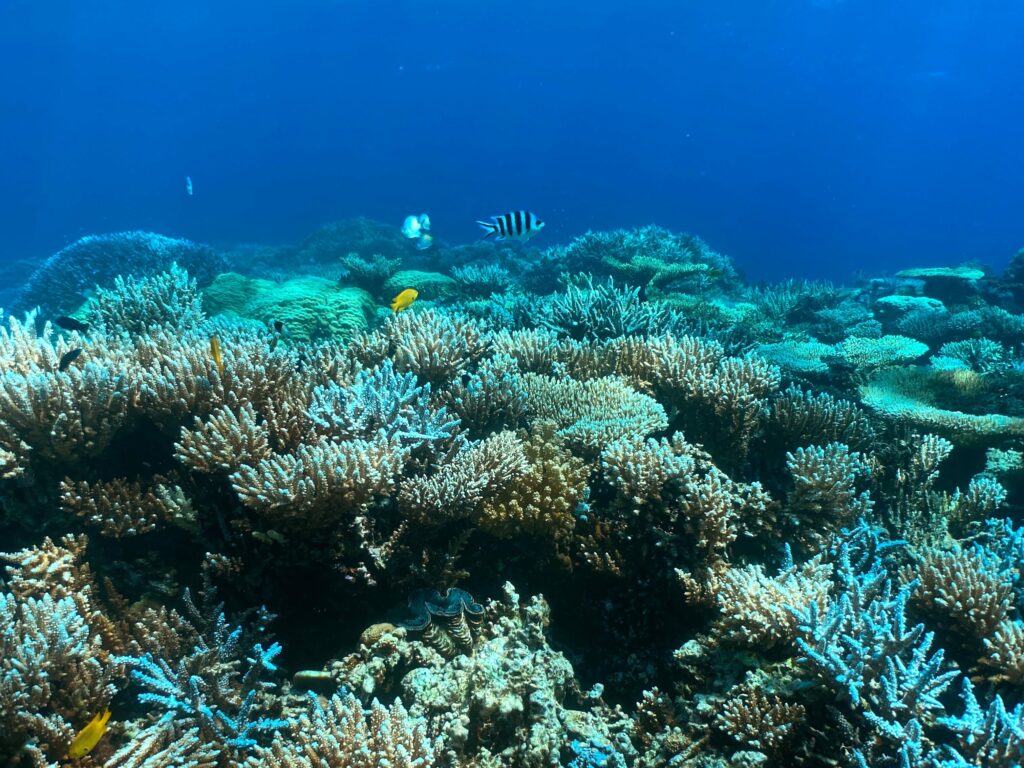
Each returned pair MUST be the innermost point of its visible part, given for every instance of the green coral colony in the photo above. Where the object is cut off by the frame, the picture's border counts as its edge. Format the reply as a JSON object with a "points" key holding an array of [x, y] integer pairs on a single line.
{"points": [[602, 504]]}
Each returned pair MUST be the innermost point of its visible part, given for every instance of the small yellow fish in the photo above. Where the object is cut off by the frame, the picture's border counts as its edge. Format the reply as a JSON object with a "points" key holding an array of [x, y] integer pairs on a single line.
{"points": [[215, 353], [404, 300], [88, 737]]}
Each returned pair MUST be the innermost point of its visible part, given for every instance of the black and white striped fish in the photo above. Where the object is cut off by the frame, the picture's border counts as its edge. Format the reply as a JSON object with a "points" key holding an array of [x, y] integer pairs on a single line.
{"points": [[517, 225]]}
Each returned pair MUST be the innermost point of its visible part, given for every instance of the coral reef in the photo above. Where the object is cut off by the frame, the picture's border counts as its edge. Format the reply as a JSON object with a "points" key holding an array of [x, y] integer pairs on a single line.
{"points": [[772, 525]]}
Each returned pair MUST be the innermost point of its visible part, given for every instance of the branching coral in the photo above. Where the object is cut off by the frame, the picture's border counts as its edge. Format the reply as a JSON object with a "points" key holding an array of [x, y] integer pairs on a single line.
{"points": [[968, 592], [756, 610], [135, 305], [212, 701], [437, 348], [758, 720], [127, 508], [227, 439], [380, 401], [490, 399], [591, 414], [800, 417], [457, 489], [341, 734], [825, 495], [586, 311], [542, 501], [650, 472], [321, 482]]}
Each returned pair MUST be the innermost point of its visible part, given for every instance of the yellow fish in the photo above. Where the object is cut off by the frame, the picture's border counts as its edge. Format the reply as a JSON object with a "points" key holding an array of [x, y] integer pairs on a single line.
{"points": [[215, 352], [404, 300], [88, 737]]}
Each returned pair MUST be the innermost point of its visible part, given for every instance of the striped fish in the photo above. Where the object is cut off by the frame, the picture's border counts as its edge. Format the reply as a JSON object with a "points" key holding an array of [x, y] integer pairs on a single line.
{"points": [[517, 225]]}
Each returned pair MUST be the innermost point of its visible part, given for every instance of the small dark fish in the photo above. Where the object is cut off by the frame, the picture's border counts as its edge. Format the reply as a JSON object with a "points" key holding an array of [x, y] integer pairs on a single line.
{"points": [[70, 324], [68, 358], [515, 225], [278, 326]]}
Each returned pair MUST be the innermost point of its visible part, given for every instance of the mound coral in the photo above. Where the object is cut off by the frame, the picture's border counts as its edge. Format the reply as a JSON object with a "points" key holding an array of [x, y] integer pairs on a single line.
{"points": [[61, 284]]}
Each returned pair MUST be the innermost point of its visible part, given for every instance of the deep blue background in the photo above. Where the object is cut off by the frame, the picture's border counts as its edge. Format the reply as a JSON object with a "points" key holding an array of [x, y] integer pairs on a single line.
{"points": [[802, 137]]}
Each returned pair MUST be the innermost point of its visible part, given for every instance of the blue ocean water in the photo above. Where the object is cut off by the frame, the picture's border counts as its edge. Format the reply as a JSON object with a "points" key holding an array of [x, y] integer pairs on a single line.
{"points": [[801, 137]]}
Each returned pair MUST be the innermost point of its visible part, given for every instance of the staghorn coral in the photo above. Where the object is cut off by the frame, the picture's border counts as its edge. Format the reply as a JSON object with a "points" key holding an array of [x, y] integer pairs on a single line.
{"points": [[727, 408], [341, 734], [215, 700], [992, 737], [862, 649]]}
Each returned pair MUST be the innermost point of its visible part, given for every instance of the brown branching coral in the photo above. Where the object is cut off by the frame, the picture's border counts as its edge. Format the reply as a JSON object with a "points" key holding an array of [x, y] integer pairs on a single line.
{"points": [[474, 474], [127, 508], [758, 720], [53, 415], [227, 439], [711, 512], [53, 663], [826, 493], [320, 482], [436, 347], [341, 734], [1003, 658], [135, 305], [917, 511], [591, 414], [542, 501], [756, 610], [647, 472], [800, 417], [964, 589]]}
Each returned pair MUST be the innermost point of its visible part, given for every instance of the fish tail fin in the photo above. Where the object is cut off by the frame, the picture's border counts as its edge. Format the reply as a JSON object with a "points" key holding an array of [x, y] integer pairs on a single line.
{"points": [[491, 228]]}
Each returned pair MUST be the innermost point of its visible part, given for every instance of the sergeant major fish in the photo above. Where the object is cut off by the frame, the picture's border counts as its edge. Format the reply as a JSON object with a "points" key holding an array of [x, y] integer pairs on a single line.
{"points": [[515, 225]]}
